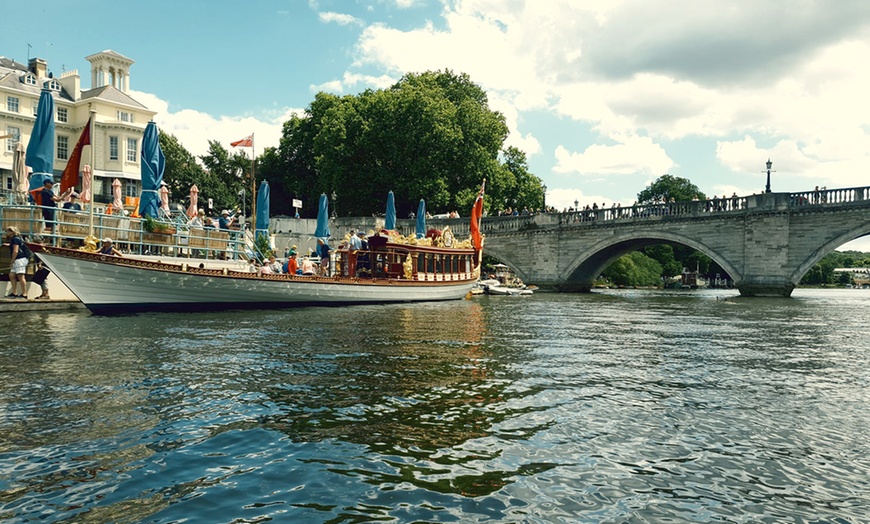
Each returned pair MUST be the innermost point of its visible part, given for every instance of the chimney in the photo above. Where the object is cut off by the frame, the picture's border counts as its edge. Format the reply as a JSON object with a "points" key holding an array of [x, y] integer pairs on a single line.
{"points": [[38, 67], [72, 83]]}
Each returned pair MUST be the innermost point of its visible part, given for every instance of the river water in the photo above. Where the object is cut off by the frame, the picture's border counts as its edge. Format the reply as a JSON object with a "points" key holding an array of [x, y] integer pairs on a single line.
{"points": [[618, 406]]}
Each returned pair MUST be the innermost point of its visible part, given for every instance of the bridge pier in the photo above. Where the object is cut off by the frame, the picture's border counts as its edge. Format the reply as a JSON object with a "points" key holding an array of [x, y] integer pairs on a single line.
{"points": [[765, 287]]}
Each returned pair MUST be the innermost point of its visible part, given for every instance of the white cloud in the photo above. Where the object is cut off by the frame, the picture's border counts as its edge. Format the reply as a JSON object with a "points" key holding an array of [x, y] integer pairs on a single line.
{"points": [[632, 155], [338, 18], [194, 129]]}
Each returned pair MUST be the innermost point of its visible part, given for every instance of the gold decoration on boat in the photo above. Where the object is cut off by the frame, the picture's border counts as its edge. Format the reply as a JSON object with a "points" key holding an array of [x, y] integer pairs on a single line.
{"points": [[408, 266]]}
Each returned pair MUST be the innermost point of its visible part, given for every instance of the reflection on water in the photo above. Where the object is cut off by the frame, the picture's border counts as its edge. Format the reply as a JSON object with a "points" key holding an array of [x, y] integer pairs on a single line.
{"points": [[609, 407]]}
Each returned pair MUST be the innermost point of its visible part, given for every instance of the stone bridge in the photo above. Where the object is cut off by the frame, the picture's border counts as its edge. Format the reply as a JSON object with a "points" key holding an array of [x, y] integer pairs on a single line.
{"points": [[765, 242]]}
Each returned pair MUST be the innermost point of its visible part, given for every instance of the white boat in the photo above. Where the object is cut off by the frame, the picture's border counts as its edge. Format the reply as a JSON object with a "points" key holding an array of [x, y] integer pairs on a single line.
{"points": [[508, 290], [398, 272]]}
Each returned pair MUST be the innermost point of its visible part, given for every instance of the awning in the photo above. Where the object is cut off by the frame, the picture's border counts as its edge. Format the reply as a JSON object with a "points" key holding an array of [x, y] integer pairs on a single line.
{"points": [[116, 174]]}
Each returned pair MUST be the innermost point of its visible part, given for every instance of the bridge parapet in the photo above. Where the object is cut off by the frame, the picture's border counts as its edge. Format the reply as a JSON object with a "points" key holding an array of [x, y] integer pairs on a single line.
{"points": [[691, 209]]}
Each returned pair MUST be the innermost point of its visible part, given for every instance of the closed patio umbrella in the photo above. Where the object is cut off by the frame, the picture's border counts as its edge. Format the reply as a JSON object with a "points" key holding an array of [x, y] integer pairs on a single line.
{"points": [[117, 202], [87, 182], [194, 201], [390, 221], [153, 164], [421, 219], [263, 209], [164, 198], [40, 149], [19, 173]]}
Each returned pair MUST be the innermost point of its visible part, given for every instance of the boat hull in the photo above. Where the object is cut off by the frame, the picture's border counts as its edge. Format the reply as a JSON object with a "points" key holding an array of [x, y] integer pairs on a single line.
{"points": [[108, 285]]}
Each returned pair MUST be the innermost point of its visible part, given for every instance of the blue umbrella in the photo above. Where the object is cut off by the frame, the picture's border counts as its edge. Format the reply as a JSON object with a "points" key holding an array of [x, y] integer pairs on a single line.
{"points": [[322, 230], [390, 222], [263, 209], [421, 219], [40, 149], [153, 164]]}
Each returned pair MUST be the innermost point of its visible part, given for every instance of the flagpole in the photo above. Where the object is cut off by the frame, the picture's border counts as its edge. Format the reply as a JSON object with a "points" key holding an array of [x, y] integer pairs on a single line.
{"points": [[92, 122], [253, 188]]}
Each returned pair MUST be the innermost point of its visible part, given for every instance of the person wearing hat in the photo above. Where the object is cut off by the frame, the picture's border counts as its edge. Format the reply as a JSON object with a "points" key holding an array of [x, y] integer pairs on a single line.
{"points": [[225, 221], [107, 248], [46, 198], [73, 204], [362, 263]]}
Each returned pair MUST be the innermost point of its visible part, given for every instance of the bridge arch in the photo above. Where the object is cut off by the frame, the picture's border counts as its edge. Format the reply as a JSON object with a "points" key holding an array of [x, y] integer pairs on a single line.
{"points": [[828, 247], [586, 267]]}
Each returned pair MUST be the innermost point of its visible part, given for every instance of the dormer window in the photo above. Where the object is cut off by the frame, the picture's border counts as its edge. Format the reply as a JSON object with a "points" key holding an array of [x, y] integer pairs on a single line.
{"points": [[29, 79], [52, 84]]}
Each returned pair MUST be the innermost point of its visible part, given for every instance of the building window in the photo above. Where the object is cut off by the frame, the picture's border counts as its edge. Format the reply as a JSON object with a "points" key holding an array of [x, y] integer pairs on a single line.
{"points": [[35, 108], [131, 189], [12, 104], [124, 116], [8, 183], [62, 114], [62, 147], [13, 140], [29, 80], [53, 85], [132, 151], [113, 148]]}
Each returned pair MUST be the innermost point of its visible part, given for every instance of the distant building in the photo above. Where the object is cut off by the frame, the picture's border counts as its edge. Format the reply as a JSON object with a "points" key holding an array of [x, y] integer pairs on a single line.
{"points": [[119, 121]]}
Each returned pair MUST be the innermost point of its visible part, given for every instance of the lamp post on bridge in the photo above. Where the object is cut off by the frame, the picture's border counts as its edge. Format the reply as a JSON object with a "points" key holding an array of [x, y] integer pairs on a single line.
{"points": [[576, 205], [769, 165], [545, 197]]}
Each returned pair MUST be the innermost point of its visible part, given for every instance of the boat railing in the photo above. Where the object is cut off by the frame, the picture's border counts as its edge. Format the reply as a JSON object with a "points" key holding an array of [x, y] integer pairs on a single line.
{"points": [[129, 234]]}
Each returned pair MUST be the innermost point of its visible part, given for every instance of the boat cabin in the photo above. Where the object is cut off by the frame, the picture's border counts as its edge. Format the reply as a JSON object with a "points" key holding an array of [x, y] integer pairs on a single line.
{"points": [[386, 259]]}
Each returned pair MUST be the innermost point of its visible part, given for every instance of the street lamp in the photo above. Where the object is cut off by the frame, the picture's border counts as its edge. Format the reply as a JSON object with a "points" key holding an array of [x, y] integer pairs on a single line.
{"points": [[334, 211], [769, 165], [545, 197], [576, 205]]}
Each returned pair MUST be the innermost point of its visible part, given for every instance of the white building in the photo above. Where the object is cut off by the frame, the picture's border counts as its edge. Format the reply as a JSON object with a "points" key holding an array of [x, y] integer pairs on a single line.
{"points": [[119, 119]]}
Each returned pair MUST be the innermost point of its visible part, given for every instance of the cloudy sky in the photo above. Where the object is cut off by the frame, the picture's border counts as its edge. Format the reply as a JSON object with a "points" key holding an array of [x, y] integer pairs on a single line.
{"points": [[604, 96]]}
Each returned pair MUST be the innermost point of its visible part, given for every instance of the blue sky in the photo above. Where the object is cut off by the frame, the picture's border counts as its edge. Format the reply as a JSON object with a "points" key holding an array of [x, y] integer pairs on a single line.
{"points": [[603, 95]]}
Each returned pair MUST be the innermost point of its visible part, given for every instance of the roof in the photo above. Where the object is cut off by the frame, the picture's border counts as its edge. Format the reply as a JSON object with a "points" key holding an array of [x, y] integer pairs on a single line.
{"points": [[8, 63], [12, 80], [111, 53], [111, 94]]}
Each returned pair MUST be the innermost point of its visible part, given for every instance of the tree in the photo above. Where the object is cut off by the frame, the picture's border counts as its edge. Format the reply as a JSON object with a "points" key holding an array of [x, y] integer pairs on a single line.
{"points": [[664, 255], [228, 175], [431, 136], [667, 187], [183, 171], [634, 269]]}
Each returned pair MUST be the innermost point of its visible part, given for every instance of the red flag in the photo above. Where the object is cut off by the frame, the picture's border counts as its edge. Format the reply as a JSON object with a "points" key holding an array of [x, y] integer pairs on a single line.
{"points": [[248, 141], [70, 176], [476, 214]]}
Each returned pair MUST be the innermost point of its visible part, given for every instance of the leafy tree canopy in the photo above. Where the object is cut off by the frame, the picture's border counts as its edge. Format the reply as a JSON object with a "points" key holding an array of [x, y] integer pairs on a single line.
{"points": [[667, 187], [430, 136]]}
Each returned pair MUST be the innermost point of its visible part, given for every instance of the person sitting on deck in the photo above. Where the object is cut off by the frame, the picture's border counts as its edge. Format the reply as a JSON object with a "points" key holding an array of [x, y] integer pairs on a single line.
{"points": [[307, 266], [107, 248]]}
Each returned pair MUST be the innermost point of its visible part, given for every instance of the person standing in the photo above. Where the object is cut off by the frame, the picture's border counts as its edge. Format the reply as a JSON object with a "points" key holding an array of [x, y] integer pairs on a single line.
{"points": [[19, 258], [324, 250], [46, 198]]}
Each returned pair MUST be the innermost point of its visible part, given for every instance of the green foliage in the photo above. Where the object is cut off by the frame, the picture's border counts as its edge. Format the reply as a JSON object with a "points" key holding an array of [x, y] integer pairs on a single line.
{"points": [[431, 136], [262, 244], [664, 255], [666, 187], [634, 269], [217, 176], [822, 272]]}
